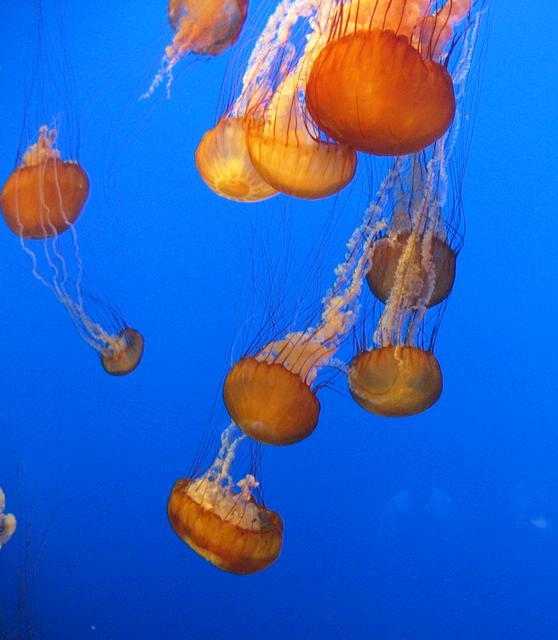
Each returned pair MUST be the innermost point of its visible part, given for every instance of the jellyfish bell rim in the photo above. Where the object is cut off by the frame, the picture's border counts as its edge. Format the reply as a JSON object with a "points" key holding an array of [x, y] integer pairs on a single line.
{"points": [[246, 379], [378, 403], [191, 532], [126, 331]]}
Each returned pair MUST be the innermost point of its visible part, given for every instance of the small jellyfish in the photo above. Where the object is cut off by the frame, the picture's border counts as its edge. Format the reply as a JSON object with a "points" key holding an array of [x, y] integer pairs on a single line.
{"points": [[123, 353], [221, 521], [7, 521], [381, 84], [45, 194], [204, 27]]}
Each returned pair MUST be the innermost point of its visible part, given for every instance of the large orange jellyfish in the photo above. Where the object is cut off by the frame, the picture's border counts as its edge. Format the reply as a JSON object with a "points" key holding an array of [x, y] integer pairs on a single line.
{"points": [[204, 27], [220, 520], [45, 194], [381, 84], [273, 137], [7, 521]]}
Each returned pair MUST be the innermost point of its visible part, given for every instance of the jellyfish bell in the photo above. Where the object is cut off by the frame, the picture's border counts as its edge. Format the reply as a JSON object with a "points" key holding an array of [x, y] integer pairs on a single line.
{"points": [[221, 521], [381, 84], [430, 259], [124, 352], [297, 164], [45, 194], [395, 103], [395, 381], [269, 403], [223, 162]]}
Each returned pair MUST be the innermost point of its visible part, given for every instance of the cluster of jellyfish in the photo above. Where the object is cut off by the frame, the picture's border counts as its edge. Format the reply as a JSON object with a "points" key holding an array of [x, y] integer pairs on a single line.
{"points": [[326, 80], [377, 77]]}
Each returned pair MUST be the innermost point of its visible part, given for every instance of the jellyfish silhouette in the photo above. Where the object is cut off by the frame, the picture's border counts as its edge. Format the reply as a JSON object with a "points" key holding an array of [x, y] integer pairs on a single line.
{"points": [[220, 520]]}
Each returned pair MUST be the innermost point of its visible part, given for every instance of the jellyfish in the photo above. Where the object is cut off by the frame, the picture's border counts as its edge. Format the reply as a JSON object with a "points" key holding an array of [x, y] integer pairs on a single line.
{"points": [[220, 520], [204, 27], [276, 139], [412, 270], [223, 162], [7, 521], [44, 196], [57, 262], [381, 85]]}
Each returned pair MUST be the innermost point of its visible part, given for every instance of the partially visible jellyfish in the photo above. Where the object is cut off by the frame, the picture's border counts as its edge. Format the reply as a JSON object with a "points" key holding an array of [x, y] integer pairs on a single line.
{"points": [[41, 200], [45, 194], [223, 162], [272, 134], [220, 520], [381, 85], [7, 521], [204, 27], [412, 270]]}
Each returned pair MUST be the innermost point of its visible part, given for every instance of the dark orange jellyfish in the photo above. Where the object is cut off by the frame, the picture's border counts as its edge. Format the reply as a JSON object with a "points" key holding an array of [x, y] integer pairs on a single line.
{"points": [[221, 521], [204, 27], [44, 196], [124, 352], [429, 260], [381, 84]]}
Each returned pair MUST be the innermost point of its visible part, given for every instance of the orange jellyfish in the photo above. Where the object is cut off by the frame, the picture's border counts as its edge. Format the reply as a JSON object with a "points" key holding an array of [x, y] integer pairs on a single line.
{"points": [[45, 194], [274, 137], [381, 84], [7, 521], [123, 354], [221, 521], [204, 27]]}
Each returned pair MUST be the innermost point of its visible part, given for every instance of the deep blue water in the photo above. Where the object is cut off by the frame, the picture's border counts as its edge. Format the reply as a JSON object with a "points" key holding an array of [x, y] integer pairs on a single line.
{"points": [[87, 460]]}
